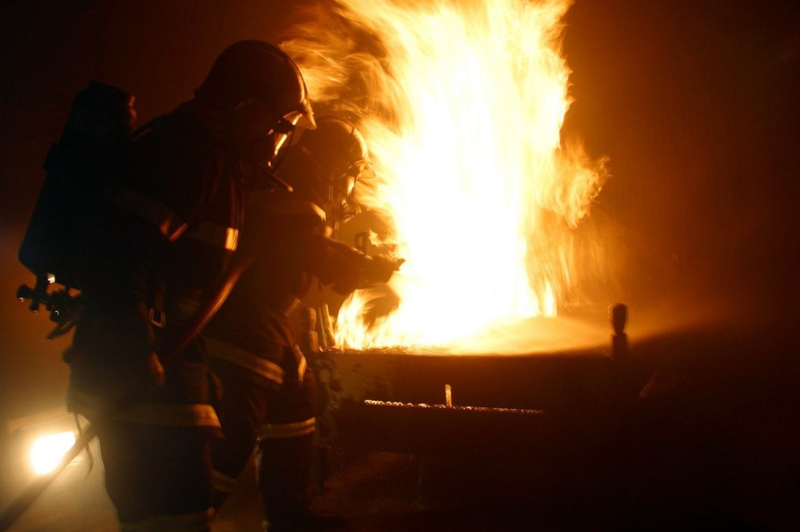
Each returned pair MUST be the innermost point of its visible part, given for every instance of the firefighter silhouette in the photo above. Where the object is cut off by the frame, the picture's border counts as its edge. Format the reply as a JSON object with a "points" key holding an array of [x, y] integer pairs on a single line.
{"points": [[172, 222], [270, 396]]}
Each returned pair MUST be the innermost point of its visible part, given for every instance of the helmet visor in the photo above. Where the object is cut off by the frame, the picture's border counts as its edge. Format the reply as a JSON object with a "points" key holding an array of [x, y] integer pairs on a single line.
{"points": [[343, 206], [359, 170], [287, 131]]}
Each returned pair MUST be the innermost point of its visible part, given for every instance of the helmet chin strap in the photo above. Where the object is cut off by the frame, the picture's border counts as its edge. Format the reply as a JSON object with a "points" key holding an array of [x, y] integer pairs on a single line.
{"points": [[265, 179]]}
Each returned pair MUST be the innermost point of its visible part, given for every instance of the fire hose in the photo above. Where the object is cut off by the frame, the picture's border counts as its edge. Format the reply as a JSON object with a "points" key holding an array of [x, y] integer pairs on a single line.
{"points": [[217, 297]]}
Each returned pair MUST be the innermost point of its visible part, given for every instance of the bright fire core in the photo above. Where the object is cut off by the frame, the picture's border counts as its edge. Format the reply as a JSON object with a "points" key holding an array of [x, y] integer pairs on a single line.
{"points": [[462, 103]]}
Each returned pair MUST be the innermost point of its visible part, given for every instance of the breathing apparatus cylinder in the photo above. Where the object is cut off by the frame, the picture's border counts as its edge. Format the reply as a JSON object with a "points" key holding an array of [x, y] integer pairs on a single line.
{"points": [[78, 167]]}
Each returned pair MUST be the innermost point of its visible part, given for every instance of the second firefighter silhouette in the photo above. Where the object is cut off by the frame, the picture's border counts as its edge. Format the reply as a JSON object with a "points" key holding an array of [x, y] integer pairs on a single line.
{"points": [[269, 392]]}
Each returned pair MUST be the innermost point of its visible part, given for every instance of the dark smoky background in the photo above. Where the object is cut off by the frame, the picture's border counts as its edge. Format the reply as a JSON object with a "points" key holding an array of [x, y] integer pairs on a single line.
{"points": [[694, 104]]}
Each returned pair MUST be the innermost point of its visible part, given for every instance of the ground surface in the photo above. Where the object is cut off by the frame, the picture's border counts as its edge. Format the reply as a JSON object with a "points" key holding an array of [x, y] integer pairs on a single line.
{"points": [[714, 446], [391, 492]]}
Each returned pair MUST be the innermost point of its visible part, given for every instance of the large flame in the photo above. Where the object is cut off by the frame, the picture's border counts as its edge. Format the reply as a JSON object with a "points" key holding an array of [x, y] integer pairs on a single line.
{"points": [[462, 103]]}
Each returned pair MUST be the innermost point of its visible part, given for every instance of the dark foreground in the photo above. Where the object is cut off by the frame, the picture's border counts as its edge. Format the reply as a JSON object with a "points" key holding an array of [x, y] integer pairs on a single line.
{"points": [[715, 446]]}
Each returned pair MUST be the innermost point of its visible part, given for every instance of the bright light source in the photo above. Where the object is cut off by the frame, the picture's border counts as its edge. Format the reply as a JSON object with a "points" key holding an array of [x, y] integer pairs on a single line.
{"points": [[47, 451]]}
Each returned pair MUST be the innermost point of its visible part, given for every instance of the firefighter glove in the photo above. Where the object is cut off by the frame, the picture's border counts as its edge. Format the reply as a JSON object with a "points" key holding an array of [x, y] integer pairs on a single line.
{"points": [[380, 268]]}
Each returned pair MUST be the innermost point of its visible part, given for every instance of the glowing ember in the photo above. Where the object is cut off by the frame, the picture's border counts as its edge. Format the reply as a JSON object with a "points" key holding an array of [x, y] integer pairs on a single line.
{"points": [[462, 103]]}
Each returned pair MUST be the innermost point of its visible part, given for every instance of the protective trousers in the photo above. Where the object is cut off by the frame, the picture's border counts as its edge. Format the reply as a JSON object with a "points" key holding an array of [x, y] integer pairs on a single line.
{"points": [[284, 466], [277, 421], [156, 452], [165, 460]]}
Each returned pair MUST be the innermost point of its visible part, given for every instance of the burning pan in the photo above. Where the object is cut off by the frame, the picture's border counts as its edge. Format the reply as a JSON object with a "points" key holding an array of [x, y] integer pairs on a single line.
{"points": [[484, 404]]}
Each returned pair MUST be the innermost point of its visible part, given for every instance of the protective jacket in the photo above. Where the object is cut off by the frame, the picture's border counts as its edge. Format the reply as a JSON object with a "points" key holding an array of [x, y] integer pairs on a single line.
{"points": [[174, 216], [173, 219]]}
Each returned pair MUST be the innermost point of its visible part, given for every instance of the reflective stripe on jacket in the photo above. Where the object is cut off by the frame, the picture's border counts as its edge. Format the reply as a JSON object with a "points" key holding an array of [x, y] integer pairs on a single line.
{"points": [[271, 431], [251, 362], [170, 225], [147, 413], [222, 482]]}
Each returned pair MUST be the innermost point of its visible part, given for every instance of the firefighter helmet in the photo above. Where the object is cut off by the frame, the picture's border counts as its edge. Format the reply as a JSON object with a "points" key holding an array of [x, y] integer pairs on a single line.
{"points": [[341, 159], [259, 83]]}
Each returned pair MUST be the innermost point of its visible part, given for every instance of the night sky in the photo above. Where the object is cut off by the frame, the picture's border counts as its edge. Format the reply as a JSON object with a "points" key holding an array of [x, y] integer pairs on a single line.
{"points": [[694, 102]]}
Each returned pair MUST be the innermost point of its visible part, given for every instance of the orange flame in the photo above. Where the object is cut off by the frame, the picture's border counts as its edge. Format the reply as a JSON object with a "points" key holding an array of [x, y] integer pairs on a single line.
{"points": [[462, 103]]}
